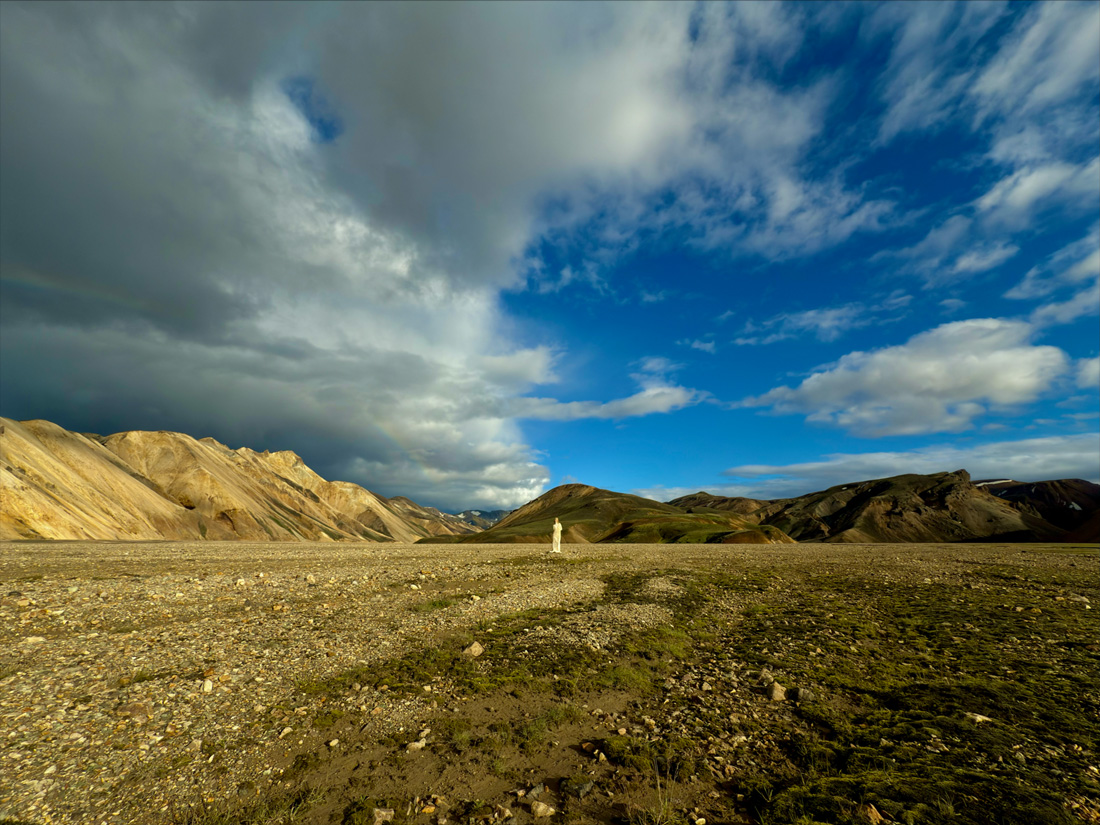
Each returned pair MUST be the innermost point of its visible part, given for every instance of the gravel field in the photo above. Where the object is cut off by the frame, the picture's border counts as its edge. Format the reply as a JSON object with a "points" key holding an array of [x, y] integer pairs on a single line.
{"points": [[137, 679]]}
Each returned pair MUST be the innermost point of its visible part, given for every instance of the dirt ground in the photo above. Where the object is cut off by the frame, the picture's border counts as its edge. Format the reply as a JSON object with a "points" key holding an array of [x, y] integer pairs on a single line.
{"points": [[433, 684]]}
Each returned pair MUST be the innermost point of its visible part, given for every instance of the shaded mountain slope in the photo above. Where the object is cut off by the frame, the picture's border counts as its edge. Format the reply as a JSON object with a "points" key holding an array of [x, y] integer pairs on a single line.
{"points": [[943, 507], [483, 519], [56, 484], [1068, 503], [590, 515]]}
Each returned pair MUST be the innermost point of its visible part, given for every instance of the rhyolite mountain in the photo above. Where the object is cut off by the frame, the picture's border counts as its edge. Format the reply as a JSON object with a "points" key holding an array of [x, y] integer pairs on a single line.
{"points": [[590, 515], [56, 484], [942, 507]]}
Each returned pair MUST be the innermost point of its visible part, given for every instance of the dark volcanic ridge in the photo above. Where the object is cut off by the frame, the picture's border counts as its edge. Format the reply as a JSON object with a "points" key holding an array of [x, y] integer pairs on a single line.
{"points": [[926, 508]]}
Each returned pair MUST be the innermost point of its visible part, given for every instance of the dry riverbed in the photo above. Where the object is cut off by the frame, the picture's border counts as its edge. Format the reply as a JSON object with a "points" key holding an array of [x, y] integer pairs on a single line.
{"points": [[202, 683]]}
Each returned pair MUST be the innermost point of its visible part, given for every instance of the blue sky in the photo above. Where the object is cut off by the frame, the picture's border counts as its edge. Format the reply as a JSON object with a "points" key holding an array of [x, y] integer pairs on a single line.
{"points": [[467, 252]]}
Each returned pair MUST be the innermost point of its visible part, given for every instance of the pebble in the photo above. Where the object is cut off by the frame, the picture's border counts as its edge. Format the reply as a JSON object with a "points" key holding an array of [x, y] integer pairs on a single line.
{"points": [[540, 810], [473, 651]]}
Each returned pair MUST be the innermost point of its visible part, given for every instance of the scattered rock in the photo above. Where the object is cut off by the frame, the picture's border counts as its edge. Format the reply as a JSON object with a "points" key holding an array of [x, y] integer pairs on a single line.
{"points": [[473, 651], [34, 640], [540, 810], [800, 694], [207, 686], [135, 710], [418, 745], [978, 718], [577, 786], [383, 815], [776, 692], [869, 813]]}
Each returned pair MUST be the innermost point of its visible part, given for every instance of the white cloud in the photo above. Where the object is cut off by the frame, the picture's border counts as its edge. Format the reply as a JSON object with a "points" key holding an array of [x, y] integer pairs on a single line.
{"points": [[656, 396], [1033, 459], [922, 84], [938, 381], [1076, 267], [1088, 373], [826, 323], [981, 259], [1048, 58], [702, 346], [952, 250], [1016, 199], [658, 365]]}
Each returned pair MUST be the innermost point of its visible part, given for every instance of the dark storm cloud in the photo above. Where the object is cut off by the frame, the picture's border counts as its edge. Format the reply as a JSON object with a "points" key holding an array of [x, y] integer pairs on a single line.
{"points": [[178, 249]]}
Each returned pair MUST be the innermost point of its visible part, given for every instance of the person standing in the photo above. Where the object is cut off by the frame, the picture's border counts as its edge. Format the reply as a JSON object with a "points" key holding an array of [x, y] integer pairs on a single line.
{"points": [[557, 537]]}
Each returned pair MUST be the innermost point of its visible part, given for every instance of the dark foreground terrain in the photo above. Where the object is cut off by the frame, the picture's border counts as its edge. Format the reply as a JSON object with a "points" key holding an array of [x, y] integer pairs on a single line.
{"points": [[641, 684]]}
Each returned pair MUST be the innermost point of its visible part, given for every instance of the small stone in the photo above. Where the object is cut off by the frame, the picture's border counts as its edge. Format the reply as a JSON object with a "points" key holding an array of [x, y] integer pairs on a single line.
{"points": [[579, 787], [475, 598], [136, 710], [311, 579], [1019, 757], [286, 732], [473, 651], [621, 731], [501, 812], [800, 694], [383, 815], [776, 692], [207, 686], [978, 718], [428, 809], [332, 743], [766, 677], [34, 640], [540, 810], [418, 745]]}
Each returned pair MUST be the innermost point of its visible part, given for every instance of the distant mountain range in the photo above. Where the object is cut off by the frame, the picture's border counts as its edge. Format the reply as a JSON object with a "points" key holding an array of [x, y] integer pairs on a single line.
{"points": [[926, 508], [589, 515], [55, 484], [482, 519]]}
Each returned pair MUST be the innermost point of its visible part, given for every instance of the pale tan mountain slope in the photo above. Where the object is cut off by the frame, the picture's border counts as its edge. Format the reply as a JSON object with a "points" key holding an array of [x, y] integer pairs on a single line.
{"points": [[55, 484], [154, 485]]}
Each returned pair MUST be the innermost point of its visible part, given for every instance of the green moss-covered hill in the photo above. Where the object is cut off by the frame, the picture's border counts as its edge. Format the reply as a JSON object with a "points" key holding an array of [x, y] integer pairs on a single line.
{"points": [[590, 515]]}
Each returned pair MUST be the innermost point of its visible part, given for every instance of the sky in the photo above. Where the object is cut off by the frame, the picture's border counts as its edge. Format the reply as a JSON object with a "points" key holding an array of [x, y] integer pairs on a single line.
{"points": [[466, 252]]}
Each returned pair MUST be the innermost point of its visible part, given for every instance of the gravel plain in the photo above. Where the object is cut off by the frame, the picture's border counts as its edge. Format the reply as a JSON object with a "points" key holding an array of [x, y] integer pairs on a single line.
{"points": [[139, 678]]}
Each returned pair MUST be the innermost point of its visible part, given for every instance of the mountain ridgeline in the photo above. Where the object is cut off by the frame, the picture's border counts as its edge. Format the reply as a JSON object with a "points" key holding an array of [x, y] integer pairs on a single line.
{"points": [[590, 515], [944, 507], [56, 484]]}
